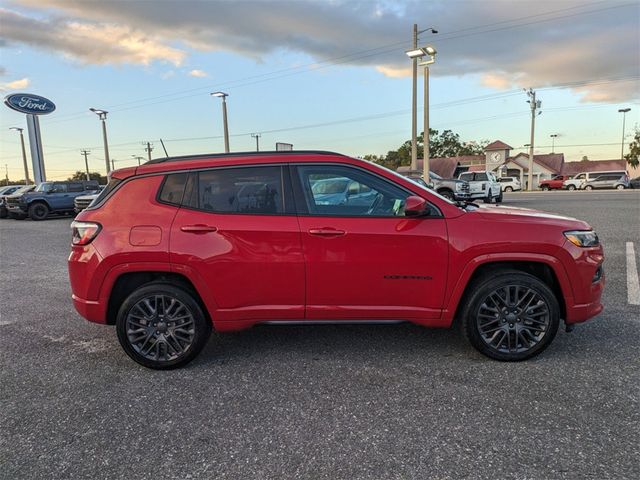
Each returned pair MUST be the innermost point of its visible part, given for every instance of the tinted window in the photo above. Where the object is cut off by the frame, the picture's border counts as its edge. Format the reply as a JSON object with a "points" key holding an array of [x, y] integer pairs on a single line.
{"points": [[344, 191], [173, 188], [76, 187], [466, 176], [481, 177], [113, 183], [60, 187], [256, 190]]}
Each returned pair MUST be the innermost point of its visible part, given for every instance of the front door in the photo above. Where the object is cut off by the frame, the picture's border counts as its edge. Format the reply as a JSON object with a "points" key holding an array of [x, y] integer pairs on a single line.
{"points": [[367, 260], [239, 232]]}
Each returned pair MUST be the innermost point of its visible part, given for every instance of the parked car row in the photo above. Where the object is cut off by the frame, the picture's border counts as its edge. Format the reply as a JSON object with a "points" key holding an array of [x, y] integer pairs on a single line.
{"points": [[618, 180], [48, 198]]}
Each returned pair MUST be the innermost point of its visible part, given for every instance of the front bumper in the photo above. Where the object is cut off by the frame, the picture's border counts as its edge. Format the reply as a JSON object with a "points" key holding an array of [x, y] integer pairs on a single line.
{"points": [[18, 209]]}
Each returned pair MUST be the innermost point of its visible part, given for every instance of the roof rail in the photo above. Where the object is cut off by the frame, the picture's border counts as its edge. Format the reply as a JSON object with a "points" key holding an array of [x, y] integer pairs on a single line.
{"points": [[241, 154]]}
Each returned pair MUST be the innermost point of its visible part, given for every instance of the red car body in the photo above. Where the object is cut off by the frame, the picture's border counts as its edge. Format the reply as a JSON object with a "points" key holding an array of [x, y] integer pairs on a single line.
{"points": [[555, 183], [249, 269]]}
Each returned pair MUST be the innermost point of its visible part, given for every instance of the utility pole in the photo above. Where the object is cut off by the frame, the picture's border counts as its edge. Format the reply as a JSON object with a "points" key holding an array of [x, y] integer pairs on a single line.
{"points": [[24, 155], [6, 172], [137, 157], [113, 165], [86, 162], [623, 111], [414, 104], [257, 137], [535, 105], [148, 149], [102, 115]]}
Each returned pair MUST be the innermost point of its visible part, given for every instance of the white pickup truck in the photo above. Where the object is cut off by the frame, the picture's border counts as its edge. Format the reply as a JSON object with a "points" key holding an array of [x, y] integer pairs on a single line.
{"points": [[483, 185]]}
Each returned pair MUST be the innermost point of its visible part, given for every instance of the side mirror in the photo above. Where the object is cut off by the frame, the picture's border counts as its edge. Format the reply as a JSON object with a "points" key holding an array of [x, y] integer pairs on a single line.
{"points": [[414, 206]]}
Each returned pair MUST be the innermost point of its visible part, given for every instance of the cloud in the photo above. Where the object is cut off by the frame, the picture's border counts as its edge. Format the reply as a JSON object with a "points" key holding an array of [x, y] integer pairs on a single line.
{"points": [[523, 43], [198, 73], [15, 85], [88, 42]]}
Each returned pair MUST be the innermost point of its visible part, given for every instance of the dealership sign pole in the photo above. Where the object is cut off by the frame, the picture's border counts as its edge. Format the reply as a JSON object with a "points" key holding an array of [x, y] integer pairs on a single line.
{"points": [[32, 106]]}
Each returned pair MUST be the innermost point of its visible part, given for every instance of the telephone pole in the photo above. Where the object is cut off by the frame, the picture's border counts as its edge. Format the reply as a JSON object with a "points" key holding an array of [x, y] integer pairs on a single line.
{"points": [[414, 104], [24, 155], [137, 157], [86, 162], [148, 149], [6, 172], [257, 137], [535, 105], [113, 165]]}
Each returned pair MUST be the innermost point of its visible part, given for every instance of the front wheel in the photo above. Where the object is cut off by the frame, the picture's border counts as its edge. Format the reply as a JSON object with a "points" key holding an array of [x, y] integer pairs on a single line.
{"points": [[448, 194], [38, 211], [544, 188], [571, 187], [510, 316], [620, 187], [588, 187], [162, 326], [499, 198]]}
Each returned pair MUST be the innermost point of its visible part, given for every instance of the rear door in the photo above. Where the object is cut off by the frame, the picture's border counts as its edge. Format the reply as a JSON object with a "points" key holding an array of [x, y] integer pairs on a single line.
{"points": [[238, 233], [365, 259]]}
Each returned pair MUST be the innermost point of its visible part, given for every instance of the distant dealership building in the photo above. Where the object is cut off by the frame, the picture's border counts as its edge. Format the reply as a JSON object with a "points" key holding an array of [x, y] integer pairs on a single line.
{"points": [[497, 158]]}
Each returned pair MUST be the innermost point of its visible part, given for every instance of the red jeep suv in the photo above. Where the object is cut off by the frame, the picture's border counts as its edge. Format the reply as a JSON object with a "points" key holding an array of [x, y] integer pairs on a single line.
{"points": [[178, 246]]}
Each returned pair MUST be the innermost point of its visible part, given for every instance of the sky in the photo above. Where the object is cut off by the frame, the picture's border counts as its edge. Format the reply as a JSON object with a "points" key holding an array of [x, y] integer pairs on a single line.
{"points": [[330, 75]]}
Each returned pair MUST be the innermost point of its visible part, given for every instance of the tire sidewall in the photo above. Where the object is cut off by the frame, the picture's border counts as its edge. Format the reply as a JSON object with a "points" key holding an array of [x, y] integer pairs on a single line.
{"points": [[33, 209], [490, 283], [202, 324]]}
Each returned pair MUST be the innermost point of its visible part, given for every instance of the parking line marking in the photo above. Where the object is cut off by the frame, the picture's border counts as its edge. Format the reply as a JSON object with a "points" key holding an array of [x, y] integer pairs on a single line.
{"points": [[633, 284]]}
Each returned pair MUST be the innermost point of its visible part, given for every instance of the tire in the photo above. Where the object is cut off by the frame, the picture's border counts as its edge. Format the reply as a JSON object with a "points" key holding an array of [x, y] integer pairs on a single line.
{"points": [[489, 294], [544, 188], [447, 194], [508, 189], [588, 187], [620, 187], [38, 211], [488, 198], [17, 216], [4, 213], [178, 344], [499, 198], [571, 188]]}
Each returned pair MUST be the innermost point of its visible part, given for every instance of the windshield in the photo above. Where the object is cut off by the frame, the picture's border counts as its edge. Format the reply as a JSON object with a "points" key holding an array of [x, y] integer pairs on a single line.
{"points": [[44, 187], [435, 175], [25, 189]]}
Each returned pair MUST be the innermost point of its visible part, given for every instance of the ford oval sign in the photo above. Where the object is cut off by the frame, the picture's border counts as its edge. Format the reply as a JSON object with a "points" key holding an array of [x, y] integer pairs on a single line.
{"points": [[29, 103]]}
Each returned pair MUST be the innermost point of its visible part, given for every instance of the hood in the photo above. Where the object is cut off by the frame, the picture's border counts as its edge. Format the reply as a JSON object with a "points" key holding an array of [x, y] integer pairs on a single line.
{"points": [[531, 216]]}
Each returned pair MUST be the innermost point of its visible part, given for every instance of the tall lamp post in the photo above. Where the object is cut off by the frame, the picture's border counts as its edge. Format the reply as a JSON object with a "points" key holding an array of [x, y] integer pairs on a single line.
{"points": [[428, 51], [553, 142], [224, 118], [414, 104], [24, 155], [102, 115], [623, 111]]}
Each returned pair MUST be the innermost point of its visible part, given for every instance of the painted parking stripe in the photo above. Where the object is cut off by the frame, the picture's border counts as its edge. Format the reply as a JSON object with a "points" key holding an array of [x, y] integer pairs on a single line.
{"points": [[633, 284]]}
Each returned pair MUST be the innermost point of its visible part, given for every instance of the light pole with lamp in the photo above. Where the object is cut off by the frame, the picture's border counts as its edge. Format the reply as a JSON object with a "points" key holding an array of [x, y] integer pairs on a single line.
{"points": [[414, 104], [553, 142], [24, 155], [418, 53], [623, 111], [224, 117], [102, 115]]}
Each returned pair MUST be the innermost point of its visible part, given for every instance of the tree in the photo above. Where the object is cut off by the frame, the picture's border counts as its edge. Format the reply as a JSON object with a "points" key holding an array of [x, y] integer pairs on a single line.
{"points": [[80, 175], [445, 144], [633, 157]]}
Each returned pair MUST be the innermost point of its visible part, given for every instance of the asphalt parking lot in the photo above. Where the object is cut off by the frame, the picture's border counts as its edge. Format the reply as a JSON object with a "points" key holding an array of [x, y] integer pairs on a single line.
{"points": [[334, 402]]}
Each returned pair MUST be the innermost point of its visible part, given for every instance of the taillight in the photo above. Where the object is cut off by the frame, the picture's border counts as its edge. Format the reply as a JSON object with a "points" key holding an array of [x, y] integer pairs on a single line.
{"points": [[84, 232]]}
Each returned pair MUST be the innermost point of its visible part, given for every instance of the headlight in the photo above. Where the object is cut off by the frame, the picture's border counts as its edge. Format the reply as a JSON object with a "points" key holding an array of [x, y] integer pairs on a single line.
{"points": [[458, 186], [583, 238]]}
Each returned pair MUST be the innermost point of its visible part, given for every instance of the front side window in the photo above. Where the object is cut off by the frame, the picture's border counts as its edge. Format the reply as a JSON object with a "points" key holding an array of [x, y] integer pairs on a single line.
{"points": [[250, 190], [344, 191], [60, 188]]}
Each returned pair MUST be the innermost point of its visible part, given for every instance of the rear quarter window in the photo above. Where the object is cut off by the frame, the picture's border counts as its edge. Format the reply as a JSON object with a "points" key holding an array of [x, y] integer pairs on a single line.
{"points": [[113, 183], [172, 188]]}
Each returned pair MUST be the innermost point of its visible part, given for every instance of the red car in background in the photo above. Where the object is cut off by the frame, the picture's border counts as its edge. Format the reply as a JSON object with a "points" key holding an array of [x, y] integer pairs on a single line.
{"points": [[178, 246], [554, 183]]}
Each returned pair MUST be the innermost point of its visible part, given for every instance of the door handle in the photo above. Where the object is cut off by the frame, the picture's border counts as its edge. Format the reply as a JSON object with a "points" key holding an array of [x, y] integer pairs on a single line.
{"points": [[327, 232], [198, 228]]}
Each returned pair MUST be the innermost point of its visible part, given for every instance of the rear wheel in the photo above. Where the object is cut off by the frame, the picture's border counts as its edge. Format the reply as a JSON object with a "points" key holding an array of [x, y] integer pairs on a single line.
{"points": [[571, 187], [510, 316], [162, 326], [446, 194], [38, 211], [508, 189], [588, 187], [620, 187], [544, 188], [499, 198]]}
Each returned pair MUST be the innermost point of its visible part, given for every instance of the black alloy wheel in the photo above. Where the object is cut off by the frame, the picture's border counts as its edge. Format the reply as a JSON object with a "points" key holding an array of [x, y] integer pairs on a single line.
{"points": [[38, 211], [162, 326], [511, 316]]}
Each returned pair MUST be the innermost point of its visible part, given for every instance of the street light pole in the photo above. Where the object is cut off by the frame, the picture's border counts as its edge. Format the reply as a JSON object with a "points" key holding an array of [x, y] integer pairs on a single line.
{"points": [[137, 157], [24, 155], [102, 115], [224, 118], [257, 137], [624, 114], [553, 142]]}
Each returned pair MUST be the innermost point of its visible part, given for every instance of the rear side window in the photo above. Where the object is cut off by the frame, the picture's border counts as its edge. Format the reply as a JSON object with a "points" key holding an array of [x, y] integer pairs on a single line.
{"points": [[483, 177], [76, 187], [251, 190], [113, 183], [173, 188], [466, 176]]}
